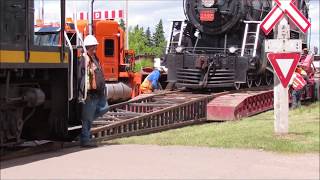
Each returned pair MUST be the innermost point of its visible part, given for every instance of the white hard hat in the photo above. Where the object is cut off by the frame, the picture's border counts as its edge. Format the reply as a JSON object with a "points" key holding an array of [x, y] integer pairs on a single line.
{"points": [[90, 40], [159, 69]]}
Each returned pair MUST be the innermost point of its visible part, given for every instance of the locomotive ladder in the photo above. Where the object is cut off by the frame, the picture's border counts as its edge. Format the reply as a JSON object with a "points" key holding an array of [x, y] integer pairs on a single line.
{"points": [[252, 45], [174, 31]]}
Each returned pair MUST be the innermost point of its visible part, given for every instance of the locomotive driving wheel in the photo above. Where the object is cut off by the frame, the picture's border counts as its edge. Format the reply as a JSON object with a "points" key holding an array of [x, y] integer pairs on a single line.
{"points": [[258, 81], [268, 78], [249, 82], [237, 85]]}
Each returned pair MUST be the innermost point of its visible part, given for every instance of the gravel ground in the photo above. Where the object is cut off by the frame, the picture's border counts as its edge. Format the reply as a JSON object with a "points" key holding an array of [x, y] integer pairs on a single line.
{"points": [[154, 162]]}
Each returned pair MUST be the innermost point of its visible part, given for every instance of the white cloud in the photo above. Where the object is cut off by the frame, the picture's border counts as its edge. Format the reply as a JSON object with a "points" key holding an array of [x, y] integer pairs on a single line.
{"points": [[147, 13], [314, 16]]}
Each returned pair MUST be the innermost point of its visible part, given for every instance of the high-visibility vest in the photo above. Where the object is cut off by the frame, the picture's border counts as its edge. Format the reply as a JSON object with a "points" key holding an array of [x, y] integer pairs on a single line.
{"points": [[298, 82], [301, 71], [146, 86]]}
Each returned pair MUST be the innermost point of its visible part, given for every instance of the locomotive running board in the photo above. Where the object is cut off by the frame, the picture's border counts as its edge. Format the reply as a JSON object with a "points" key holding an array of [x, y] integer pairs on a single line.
{"points": [[235, 106]]}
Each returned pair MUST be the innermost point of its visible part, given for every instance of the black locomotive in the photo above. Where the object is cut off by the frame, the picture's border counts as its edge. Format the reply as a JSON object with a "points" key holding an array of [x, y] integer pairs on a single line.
{"points": [[221, 45]]}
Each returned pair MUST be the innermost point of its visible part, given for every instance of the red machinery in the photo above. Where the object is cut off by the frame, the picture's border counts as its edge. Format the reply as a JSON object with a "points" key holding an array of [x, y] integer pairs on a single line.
{"points": [[117, 62], [306, 63]]}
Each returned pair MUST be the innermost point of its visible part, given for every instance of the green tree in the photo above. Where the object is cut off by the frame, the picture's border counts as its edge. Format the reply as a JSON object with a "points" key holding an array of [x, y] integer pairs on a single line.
{"points": [[159, 40], [148, 36], [138, 40], [122, 24]]}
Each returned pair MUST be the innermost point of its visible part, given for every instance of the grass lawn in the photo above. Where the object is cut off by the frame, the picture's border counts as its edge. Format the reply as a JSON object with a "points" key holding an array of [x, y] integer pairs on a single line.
{"points": [[139, 65], [252, 133]]}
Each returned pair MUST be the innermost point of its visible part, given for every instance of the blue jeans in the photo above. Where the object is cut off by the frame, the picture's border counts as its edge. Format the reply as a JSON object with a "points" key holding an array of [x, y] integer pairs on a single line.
{"points": [[94, 107], [296, 102]]}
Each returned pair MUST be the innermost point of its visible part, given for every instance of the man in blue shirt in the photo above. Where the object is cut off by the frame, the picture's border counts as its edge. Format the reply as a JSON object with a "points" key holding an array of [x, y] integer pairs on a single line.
{"points": [[151, 82]]}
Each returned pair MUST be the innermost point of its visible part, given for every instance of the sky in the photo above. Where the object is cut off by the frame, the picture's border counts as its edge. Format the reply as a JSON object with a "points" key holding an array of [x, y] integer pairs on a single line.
{"points": [[147, 13]]}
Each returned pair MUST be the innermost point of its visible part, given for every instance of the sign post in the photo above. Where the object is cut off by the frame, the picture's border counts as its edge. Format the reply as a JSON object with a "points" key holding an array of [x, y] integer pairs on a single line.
{"points": [[284, 64], [284, 55], [281, 107]]}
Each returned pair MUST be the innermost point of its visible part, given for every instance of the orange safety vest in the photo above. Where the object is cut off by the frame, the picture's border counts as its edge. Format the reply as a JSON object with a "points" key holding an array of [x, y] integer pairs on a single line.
{"points": [[301, 71], [146, 86], [92, 84]]}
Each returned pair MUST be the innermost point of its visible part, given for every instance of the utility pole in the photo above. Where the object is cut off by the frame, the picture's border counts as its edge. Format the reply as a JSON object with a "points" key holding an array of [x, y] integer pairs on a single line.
{"points": [[127, 24], [90, 16], [41, 10]]}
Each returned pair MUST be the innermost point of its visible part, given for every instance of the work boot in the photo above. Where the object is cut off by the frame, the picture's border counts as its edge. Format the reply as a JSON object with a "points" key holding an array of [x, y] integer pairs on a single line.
{"points": [[89, 144]]}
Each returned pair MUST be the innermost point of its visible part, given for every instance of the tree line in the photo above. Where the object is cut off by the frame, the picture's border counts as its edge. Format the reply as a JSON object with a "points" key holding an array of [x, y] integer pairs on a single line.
{"points": [[145, 42]]}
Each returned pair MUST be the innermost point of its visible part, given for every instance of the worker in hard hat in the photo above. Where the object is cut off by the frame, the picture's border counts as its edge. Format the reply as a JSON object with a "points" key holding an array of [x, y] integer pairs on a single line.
{"points": [[151, 82], [298, 82], [95, 103], [305, 53]]}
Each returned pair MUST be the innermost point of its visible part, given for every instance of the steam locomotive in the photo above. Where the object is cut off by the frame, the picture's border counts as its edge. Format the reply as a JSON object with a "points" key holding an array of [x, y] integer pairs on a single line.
{"points": [[220, 44]]}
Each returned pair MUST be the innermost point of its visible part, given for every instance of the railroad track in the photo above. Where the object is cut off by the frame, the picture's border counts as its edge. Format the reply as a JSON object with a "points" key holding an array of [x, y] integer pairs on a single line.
{"points": [[152, 114], [144, 115], [164, 111]]}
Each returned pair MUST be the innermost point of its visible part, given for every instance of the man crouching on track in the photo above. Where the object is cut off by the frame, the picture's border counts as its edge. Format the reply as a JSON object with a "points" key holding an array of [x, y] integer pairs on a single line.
{"points": [[94, 102], [151, 82]]}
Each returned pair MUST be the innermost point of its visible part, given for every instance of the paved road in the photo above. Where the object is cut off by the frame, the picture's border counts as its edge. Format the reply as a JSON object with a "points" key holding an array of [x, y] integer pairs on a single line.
{"points": [[154, 162]]}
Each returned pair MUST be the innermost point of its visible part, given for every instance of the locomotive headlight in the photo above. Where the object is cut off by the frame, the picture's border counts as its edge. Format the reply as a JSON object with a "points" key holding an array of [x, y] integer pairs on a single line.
{"points": [[208, 3], [232, 50], [179, 49], [197, 34]]}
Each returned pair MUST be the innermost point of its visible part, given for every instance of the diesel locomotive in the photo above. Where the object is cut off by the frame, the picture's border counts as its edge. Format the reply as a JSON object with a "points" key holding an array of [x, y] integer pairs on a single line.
{"points": [[220, 44], [39, 72], [37, 84]]}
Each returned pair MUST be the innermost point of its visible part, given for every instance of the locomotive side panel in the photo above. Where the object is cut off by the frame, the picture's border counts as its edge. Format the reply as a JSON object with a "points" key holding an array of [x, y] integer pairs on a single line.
{"points": [[33, 79]]}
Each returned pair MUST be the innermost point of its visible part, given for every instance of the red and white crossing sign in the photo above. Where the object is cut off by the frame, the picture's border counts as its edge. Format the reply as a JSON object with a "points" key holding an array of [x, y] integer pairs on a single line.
{"points": [[97, 15], [106, 14], [284, 65], [285, 7]]}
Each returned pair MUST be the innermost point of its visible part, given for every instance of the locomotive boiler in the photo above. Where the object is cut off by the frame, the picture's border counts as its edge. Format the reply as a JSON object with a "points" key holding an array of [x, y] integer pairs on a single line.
{"points": [[220, 44]]}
